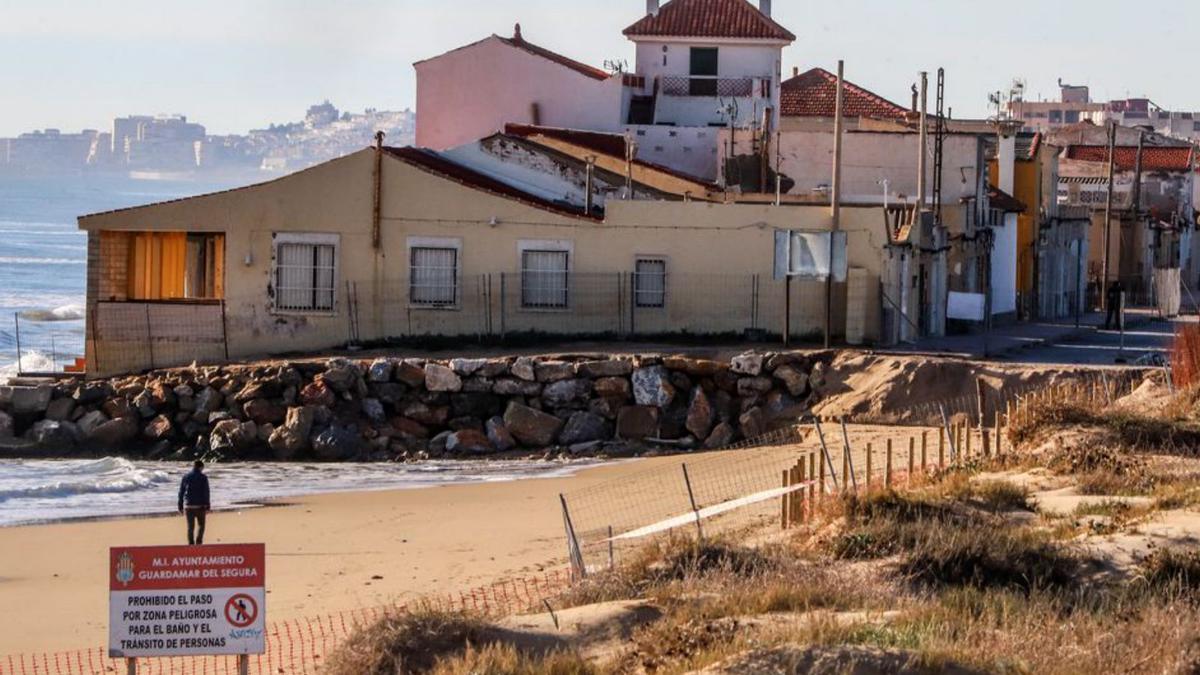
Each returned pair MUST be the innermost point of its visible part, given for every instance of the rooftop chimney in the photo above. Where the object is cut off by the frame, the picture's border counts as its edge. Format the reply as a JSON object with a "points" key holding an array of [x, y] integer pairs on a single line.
{"points": [[652, 7], [517, 33], [764, 6]]}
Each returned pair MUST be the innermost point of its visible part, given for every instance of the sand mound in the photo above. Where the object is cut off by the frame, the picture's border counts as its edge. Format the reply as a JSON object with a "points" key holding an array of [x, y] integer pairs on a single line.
{"points": [[1148, 399], [900, 389], [832, 660], [597, 631]]}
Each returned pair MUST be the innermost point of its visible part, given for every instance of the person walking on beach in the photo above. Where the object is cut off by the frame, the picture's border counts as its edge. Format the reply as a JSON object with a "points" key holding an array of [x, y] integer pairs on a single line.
{"points": [[194, 502]]}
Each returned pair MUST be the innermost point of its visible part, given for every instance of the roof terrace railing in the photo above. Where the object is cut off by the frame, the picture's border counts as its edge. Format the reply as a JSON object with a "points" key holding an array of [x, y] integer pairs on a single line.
{"points": [[728, 87]]}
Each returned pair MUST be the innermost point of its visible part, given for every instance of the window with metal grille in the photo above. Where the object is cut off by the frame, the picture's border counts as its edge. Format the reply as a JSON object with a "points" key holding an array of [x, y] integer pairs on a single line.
{"points": [[305, 276], [650, 283], [433, 276], [545, 279]]}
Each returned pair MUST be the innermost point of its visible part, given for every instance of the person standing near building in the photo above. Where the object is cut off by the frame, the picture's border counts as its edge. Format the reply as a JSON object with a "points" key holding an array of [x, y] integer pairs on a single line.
{"points": [[1113, 301], [194, 502]]}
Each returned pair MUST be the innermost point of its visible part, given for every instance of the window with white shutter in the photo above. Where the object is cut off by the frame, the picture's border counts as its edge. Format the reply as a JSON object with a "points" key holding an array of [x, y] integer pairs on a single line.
{"points": [[650, 283], [305, 273], [433, 276], [545, 279]]}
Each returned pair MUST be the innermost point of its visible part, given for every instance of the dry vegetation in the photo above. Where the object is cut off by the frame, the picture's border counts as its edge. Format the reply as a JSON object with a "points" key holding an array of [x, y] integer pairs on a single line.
{"points": [[960, 574]]}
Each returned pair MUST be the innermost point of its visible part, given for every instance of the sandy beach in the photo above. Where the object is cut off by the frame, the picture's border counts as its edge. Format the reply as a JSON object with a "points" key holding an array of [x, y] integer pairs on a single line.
{"points": [[323, 552]]}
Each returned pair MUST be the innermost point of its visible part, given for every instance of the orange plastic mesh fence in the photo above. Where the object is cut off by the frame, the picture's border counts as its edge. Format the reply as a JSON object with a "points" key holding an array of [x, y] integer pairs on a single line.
{"points": [[295, 646]]}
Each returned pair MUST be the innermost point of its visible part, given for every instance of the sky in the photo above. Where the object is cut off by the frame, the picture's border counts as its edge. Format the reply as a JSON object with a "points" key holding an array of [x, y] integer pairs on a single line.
{"points": [[233, 65]]}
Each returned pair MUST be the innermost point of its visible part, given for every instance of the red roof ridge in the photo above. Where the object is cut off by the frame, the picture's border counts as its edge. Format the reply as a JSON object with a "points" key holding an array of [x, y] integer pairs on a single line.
{"points": [[709, 18], [1154, 158], [813, 94]]}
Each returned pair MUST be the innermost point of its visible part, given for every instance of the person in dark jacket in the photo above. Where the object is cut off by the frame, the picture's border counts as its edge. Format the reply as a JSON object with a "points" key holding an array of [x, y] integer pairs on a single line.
{"points": [[1113, 302], [194, 502]]}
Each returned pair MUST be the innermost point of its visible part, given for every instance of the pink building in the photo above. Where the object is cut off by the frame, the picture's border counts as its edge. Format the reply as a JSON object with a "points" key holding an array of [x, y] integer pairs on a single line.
{"points": [[701, 65]]}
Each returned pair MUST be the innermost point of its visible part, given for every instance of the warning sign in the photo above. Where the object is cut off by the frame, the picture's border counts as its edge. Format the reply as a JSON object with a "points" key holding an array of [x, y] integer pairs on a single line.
{"points": [[187, 600]]}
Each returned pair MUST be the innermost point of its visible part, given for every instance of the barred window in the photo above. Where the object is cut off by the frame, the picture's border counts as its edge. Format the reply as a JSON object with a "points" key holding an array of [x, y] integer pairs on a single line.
{"points": [[433, 276], [650, 283], [545, 279], [305, 276]]}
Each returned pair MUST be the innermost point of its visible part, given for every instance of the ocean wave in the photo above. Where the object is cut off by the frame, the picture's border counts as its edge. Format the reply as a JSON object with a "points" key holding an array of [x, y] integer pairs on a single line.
{"points": [[111, 475], [64, 313], [41, 261], [31, 362]]}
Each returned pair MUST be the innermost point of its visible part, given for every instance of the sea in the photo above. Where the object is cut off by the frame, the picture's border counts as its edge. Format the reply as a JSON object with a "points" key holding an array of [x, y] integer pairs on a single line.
{"points": [[44, 491], [43, 257]]}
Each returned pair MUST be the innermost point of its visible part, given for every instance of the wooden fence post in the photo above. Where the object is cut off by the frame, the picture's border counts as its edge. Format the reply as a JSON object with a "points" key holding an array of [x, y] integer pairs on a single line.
{"points": [[887, 473], [912, 457], [812, 486], [798, 496], [924, 450], [870, 466], [784, 502], [941, 450]]}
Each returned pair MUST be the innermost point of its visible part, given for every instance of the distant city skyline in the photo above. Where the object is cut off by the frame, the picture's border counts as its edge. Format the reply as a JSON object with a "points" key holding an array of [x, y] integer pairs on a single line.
{"points": [[232, 67]]}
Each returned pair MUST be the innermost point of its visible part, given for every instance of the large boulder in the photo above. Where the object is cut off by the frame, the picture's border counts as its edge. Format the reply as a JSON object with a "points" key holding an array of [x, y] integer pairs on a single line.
{"points": [[52, 435], [318, 393], [89, 421], [259, 389], [477, 405], [636, 422], [391, 393], [566, 393], [605, 368], [409, 374], [208, 400], [433, 416], [262, 411], [467, 367], [524, 368], [373, 410], [6, 425], [700, 414], [61, 409], [119, 406], [694, 367], [752, 386], [114, 434], [508, 386], [553, 371], [585, 427], [341, 375], [93, 393], [291, 439], [232, 436], [380, 371], [336, 444], [405, 427], [613, 387], [749, 363], [439, 378], [469, 442], [25, 401], [721, 436], [159, 429], [652, 387], [499, 435], [531, 427], [753, 423], [795, 381]]}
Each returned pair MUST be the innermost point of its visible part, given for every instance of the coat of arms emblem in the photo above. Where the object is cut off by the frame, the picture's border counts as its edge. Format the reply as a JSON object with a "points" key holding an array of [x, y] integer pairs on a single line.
{"points": [[125, 568]]}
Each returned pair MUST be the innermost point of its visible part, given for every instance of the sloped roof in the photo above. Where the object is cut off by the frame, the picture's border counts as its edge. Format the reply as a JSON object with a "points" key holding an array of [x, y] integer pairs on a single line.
{"points": [[709, 18], [434, 163], [999, 199], [1180, 158], [814, 94], [582, 68], [609, 144]]}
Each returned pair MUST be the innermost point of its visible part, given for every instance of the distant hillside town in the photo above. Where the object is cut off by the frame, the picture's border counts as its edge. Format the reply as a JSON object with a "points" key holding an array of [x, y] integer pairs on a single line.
{"points": [[172, 145]]}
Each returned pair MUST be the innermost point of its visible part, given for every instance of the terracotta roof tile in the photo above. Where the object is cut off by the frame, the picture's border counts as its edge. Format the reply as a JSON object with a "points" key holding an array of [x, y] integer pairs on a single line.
{"points": [[1181, 158], [434, 163], [814, 94], [709, 18]]}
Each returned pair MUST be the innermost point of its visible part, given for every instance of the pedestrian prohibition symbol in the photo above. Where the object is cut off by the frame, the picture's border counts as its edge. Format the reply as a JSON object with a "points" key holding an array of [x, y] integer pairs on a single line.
{"points": [[241, 610]]}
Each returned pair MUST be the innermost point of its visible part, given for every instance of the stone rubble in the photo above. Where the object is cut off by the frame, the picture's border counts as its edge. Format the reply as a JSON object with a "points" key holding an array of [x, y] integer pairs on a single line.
{"points": [[387, 409]]}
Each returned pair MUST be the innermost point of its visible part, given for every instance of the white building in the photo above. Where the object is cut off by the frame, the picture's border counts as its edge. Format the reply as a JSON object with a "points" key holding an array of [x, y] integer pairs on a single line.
{"points": [[700, 65]]}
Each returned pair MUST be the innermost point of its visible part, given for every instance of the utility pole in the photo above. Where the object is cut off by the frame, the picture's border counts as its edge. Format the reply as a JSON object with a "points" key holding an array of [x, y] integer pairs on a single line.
{"points": [[1108, 204], [835, 205], [923, 141]]}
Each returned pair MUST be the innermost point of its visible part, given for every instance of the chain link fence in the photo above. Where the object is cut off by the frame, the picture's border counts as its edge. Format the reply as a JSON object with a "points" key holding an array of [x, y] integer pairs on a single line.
{"points": [[136, 336]]}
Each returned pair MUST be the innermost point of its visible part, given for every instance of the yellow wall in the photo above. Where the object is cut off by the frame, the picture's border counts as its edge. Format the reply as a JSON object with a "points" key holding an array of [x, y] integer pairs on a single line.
{"points": [[1027, 187], [719, 256]]}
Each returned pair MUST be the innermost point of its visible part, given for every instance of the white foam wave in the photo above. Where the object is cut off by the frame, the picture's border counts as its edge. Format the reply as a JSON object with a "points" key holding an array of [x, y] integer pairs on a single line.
{"points": [[111, 475], [31, 362], [15, 260], [65, 313]]}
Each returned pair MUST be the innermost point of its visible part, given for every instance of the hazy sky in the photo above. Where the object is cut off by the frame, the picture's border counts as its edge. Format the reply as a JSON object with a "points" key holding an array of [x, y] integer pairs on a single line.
{"points": [[237, 64]]}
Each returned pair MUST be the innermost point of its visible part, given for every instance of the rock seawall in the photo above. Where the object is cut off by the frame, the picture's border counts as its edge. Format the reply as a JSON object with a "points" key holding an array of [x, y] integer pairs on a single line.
{"points": [[391, 408]]}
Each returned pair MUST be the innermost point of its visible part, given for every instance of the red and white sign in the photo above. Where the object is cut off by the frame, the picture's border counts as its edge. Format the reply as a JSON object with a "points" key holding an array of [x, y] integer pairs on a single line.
{"points": [[187, 600]]}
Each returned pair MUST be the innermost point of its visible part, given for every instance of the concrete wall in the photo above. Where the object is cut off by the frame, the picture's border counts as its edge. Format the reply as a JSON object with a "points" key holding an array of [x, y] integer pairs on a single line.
{"points": [[474, 91], [719, 258]]}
